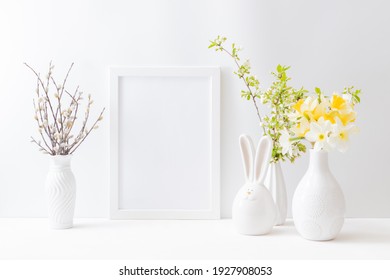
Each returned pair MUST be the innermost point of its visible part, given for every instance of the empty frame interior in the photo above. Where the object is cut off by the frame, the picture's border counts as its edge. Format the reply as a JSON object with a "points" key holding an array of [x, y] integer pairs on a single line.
{"points": [[165, 158]]}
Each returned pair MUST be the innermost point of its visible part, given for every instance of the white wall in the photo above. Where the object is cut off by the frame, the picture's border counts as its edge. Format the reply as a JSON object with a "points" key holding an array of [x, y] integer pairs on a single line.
{"points": [[329, 44]]}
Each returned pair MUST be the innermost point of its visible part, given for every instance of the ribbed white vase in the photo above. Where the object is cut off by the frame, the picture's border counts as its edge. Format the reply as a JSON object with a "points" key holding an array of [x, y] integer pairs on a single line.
{"points": [[61, 192], [318, 204], [277, 187]]}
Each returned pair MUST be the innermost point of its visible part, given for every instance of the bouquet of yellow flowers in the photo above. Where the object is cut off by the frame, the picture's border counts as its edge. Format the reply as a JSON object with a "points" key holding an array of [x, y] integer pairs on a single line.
{"points": [[326, 122]]}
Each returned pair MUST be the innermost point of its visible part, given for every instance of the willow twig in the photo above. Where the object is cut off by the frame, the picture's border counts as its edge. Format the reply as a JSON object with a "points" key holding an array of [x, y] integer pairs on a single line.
{"points": [[58, 125], [93, 127]]}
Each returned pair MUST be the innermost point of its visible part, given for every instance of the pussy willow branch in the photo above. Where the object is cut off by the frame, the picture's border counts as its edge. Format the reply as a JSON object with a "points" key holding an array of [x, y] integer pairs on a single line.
{"points": [[44, 140], [247, 85], [48, 77], [58, 126], [53, 139], [39, 125], [58, 99], [49, 131], [93, 127], [35, 141], [85, 119], [43, 119], [66, 78], [83, 128], [46, 93], [76, 109], [60, 96], [63, 119]]}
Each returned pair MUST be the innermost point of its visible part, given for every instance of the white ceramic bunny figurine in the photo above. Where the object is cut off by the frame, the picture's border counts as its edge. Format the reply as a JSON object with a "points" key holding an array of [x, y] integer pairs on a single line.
{"points": [[254, 211]]}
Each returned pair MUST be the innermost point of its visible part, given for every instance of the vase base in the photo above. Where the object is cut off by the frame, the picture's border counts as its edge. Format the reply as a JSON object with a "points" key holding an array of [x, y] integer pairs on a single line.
{"points": [[319, 239], [61, 226], [280, 222], [253, 234]]}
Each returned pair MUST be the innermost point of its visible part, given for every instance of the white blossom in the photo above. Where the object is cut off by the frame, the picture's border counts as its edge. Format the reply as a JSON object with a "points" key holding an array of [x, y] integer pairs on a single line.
{"points": [[319, 134]]}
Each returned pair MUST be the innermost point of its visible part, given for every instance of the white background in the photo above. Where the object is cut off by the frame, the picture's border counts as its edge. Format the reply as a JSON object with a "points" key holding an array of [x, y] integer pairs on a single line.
{"points": [[330, 44]]}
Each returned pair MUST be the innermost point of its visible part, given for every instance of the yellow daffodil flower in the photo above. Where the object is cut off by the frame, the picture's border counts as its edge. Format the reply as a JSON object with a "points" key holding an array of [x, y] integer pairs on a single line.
{"points": [[301, 128], [338, 103]]}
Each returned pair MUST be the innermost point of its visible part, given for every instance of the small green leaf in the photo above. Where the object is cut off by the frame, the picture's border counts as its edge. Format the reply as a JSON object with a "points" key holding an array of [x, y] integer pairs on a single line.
{"points": [[211, 45]]}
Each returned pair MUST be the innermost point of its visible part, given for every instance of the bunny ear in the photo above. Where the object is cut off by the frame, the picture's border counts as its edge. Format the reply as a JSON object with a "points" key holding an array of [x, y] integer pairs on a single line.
{"points": [[262, 159], [246, 145]]}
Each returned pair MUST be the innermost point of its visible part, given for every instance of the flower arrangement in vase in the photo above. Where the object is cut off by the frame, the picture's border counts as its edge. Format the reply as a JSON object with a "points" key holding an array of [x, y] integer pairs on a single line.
{"points": [[56, 115], [326, 123], [280, 97]]}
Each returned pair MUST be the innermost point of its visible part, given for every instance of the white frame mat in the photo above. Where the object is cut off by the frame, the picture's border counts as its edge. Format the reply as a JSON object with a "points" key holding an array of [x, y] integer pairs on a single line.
{"points": [[165, 143]]}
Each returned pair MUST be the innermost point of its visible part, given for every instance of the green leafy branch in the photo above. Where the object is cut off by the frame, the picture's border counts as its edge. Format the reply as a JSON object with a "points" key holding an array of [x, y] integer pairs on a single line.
{"points": [[354, 93], [243, 72], [280, 97]]}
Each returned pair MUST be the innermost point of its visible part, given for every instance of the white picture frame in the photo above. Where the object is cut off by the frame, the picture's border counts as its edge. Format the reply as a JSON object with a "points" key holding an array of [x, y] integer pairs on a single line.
{"points": [[180, 108]]}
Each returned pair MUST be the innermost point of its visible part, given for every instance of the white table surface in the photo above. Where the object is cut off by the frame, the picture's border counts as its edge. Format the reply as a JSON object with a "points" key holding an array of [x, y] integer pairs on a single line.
{"points": [[211, 239]]}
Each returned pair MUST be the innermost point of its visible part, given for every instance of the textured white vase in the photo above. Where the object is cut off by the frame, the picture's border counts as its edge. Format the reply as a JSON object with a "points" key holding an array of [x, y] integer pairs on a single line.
{"points": [[61, 192], [253, 210], [274, 182], [318, 204]]}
